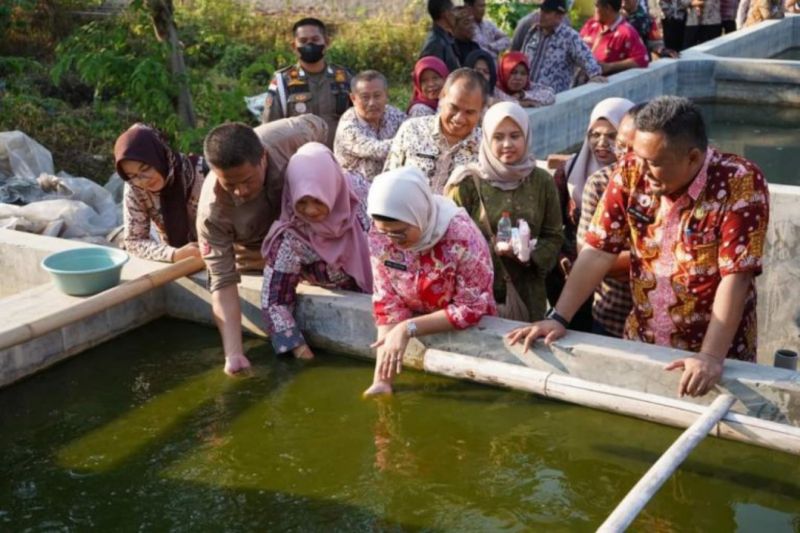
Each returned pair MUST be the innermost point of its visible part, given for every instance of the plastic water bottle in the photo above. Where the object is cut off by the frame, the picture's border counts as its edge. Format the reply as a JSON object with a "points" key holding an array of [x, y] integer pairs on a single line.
{"points": [[524, 241], [515, 241], [504, 228]]}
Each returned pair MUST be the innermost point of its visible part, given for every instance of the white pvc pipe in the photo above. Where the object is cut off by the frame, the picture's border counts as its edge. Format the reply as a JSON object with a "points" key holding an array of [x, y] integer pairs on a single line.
{"points": [[646, 406], [645, 489]]}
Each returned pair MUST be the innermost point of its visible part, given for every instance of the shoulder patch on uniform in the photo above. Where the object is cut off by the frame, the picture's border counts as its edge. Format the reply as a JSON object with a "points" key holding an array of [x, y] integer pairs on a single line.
{"points": [[341, 75]]}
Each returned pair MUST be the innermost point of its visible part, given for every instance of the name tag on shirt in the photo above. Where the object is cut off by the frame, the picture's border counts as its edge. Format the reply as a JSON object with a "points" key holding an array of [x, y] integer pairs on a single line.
{"points": [[395, 265], [641, 217], [427, 156]]}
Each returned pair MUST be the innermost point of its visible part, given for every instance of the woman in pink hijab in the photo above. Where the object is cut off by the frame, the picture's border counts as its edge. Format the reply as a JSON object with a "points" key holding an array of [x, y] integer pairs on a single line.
{"points": [[428, 77], [320, 238]]}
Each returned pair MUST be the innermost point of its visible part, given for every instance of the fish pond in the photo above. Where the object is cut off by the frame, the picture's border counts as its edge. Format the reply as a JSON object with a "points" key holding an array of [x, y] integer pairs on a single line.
{"points": [[146, 433], [767, 135]]}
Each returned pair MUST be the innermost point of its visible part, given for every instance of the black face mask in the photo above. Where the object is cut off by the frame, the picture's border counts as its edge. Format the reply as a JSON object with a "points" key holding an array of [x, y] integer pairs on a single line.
{"points": [[311, 53]]}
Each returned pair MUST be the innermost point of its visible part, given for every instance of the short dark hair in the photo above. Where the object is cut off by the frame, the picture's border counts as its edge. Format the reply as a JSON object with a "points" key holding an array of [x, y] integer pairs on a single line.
{"points": [[437, 8], [473, 80], [231, 145], [310, 21], [678, 118], [632, 112], [616, 5], [368, 75], [469, 2]]}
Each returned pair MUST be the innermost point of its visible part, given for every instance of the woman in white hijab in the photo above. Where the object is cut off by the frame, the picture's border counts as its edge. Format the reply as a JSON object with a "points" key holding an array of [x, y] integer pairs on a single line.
{"points": [[597, 151], [506, 179], [431, 268]]}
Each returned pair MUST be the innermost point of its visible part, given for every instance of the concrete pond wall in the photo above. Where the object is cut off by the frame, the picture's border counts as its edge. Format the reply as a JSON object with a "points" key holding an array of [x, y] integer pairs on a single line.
{"points": [[342, 322]]}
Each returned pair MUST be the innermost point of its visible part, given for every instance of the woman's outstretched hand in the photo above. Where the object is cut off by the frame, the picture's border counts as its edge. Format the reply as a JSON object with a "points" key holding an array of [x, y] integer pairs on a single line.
{"points": [[391, 349]]}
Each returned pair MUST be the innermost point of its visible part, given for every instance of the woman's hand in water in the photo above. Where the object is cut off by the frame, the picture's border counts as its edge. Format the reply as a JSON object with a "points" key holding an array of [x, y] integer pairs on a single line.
{"points": [[391, 349], [187, 250]]}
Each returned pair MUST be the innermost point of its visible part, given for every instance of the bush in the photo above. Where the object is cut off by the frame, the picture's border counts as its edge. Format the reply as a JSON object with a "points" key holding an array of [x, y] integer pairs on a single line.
{"points": [[113, 72]]}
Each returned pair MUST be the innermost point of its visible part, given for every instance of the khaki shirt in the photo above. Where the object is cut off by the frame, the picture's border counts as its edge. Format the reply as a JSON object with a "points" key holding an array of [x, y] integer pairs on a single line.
{"points": [[294, 92], [223, 221]]}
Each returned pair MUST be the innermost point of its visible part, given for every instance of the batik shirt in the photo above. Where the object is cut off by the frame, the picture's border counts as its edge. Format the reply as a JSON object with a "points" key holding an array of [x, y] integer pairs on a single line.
{"points": [[541, 94], [491, 38], [290, 261], [362, 149], [709, 16], [555, 59], [648, 28], [616, 42], [420, 110], [454, 275], [681, 248], [141, 208], [612, 299], [420, 143]]}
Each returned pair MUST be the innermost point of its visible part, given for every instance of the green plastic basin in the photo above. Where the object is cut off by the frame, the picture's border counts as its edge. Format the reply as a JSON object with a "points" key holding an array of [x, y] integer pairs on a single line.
{"points": [[85, 271]]}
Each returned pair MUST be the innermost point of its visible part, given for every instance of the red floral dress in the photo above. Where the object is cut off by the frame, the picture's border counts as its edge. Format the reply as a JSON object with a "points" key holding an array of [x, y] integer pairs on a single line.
{"points": [[455, 275]]}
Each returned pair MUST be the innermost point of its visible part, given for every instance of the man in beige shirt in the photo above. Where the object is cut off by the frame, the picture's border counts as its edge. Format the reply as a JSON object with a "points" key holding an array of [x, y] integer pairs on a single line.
{"points": [[240, 200]]}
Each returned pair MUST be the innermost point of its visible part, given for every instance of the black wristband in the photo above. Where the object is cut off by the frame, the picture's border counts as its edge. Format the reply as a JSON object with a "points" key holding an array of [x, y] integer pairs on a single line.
{"points": [[553, 315]]}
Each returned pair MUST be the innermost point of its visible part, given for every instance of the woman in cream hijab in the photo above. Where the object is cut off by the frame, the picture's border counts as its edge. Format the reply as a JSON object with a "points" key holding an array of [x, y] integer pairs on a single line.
{"points": [[506, 179], [597, 151], [431, 268]]}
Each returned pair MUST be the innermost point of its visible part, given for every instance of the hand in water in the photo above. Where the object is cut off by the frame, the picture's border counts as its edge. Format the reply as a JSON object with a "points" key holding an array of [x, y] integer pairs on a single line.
{"points": [[235, 364], [394, 348]]}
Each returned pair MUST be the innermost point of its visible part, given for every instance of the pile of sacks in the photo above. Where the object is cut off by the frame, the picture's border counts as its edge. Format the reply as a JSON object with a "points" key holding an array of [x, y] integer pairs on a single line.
{"points": [[35, 200]]}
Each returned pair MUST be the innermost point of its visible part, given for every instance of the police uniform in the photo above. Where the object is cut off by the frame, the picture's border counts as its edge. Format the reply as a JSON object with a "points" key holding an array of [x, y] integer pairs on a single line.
{"points": [[293, 92]]}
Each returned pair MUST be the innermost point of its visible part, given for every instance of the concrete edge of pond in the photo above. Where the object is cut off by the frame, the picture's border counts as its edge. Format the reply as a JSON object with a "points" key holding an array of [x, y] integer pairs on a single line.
{"points": [[342, 322], [719, 68]]}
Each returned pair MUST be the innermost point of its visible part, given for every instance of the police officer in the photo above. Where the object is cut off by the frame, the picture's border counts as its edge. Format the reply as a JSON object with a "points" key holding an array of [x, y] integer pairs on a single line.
{"points": [[311, 85]]}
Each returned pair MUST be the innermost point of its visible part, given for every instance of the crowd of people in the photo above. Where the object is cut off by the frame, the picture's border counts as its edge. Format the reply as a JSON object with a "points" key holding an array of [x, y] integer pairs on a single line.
{"points": [[441, 212]]}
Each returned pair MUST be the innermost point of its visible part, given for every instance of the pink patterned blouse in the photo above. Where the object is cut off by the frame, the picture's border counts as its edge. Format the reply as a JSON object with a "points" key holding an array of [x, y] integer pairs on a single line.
{"points": [[455, 275]]}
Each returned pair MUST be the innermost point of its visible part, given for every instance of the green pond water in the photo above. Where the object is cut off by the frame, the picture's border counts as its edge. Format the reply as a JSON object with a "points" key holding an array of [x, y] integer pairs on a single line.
{"points": [[791, 54], [767, 135], [146, 434]]}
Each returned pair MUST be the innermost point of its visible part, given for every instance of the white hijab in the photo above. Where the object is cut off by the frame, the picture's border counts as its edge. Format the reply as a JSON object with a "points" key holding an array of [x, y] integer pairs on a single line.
{"points": [[585, 163], [489, 167], [405, 195]]}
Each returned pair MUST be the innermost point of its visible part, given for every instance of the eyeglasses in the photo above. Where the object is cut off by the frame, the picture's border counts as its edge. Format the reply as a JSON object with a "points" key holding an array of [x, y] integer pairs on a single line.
{"points": [[393, 235], [595, 136], [621, 150]]}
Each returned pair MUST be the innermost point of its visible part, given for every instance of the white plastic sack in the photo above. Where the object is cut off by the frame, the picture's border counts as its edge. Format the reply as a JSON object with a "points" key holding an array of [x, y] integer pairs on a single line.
{"points": [[78, 219], [109, 214], [116, 187], [255, 104], [23, 157]]}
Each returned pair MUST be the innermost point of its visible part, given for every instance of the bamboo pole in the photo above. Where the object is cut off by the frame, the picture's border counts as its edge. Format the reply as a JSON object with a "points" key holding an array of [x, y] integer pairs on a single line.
{"points": [[648, 485], [100, 302], [669, 411]]}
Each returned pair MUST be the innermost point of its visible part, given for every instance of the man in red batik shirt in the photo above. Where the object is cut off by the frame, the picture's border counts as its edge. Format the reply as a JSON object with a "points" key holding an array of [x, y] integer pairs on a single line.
{"points": [[697, 220], [614, 42]]}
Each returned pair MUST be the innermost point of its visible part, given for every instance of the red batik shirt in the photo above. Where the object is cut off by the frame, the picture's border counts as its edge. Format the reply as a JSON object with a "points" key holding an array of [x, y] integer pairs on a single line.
{"points": [[619, 41], [681, 248]]}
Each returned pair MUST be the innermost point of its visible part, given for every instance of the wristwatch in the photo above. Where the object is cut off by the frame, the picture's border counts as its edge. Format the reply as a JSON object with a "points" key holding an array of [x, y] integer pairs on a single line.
{"points": [[411, 329], [552, 314]]}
